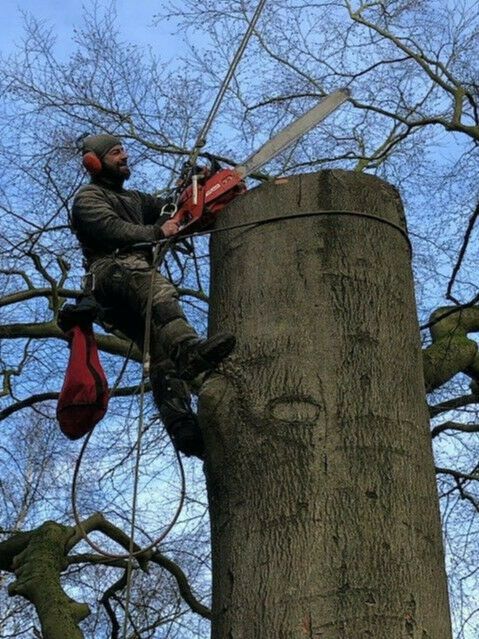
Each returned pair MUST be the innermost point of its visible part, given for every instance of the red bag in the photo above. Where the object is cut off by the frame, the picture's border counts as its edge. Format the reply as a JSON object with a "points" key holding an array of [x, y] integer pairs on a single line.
{"points": [[84, 396]]}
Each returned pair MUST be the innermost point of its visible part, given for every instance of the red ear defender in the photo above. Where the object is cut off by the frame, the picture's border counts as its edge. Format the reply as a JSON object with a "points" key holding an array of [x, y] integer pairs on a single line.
{"points": [[92, 163]]}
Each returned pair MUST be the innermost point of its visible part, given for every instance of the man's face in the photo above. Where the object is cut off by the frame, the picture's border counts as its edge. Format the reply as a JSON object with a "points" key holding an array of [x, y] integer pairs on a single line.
{"points": [[115, 162]]}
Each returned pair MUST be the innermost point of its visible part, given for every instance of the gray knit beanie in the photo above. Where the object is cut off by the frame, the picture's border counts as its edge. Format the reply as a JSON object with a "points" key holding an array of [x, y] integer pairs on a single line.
{"points": [[99, 144]]}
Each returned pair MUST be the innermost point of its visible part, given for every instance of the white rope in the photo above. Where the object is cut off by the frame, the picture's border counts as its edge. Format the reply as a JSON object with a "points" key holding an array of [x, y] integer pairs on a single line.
{"points": [[144, 373], [201, 139], [158, 253], [157, 256]]}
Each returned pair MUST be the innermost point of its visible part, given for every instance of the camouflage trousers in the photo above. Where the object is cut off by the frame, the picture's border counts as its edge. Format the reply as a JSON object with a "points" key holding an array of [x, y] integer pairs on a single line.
{"points": [[121, 287]]}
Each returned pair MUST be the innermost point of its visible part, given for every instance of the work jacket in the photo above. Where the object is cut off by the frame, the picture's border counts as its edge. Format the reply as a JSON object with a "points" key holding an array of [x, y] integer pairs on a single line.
{"points": [[107, 218]]}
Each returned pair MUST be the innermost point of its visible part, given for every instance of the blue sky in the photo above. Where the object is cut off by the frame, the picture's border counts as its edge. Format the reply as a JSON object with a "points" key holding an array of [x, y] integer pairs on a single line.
{"points": [[134, 21]]}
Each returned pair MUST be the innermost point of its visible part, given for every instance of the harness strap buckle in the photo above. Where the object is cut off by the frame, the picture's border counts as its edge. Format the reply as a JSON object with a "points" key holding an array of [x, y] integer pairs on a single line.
{"points": [[88, 282]]}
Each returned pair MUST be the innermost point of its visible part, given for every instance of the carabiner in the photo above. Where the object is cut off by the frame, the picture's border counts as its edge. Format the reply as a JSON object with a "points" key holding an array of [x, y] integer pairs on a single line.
{"points": [[169, 208]]}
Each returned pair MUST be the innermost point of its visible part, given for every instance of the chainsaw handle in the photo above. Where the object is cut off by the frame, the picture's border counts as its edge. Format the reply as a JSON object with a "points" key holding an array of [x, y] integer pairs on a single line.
{"points": [[191, 205], [201, 201]]}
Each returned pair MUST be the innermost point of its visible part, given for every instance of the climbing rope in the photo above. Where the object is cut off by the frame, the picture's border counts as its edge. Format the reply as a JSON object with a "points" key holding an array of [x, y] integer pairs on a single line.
{"points": [[293, 216], [201, 139], [85, 536], [161, 248], [159, 252]]}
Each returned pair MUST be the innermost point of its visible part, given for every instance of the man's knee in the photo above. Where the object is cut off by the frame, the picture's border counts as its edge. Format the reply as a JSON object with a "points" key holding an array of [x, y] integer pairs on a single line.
{"points": [[166, 311]]}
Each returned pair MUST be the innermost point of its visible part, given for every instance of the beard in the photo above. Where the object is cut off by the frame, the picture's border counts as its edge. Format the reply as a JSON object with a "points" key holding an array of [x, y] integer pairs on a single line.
{"points": [[117, 174]]}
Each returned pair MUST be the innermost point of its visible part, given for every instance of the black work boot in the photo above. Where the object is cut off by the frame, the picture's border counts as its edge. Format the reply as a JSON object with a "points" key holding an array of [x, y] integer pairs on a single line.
{"points": [[182, 426], [173, 401], [195, 356]]}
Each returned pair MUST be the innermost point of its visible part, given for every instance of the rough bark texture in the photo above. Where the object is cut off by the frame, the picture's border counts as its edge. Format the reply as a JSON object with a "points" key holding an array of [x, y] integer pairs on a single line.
{"points": [[38, 568], [320, 473]]}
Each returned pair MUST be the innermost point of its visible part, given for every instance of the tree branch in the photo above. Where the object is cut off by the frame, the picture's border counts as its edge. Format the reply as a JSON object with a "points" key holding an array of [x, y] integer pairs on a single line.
{"points": [[183, 585], [38, 568], [126, 391], [47, 330], [453, 404], [23, 296], [456, 426]]}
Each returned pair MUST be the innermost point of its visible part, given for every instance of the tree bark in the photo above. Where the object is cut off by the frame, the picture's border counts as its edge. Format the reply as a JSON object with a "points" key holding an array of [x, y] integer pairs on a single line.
{"points": [[320, 473], [38, 568]]}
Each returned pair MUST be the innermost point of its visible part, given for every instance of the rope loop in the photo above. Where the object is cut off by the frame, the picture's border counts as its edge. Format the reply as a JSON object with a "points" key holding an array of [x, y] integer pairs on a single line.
{"points": [[302, 214]]}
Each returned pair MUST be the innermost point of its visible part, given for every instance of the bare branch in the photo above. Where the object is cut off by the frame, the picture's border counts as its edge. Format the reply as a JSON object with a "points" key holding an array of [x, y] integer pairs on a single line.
{"points": [[455, 426]]}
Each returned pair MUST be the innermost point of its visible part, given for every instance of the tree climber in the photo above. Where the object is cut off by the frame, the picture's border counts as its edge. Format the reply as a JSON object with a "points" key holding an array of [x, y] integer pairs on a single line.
{"points": [[108, 221]]}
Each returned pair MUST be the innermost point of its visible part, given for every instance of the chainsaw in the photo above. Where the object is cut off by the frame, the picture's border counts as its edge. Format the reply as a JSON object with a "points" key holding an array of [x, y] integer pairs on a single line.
{"points": [[210, 189]]}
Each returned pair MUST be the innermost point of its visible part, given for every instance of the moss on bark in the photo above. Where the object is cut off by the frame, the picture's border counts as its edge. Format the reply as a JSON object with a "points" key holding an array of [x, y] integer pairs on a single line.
{"points": [[37, 568], [451, 351]]}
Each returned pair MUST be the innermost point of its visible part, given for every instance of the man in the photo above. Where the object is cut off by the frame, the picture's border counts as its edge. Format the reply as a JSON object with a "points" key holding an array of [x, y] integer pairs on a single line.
{"points": [[108, 221]]}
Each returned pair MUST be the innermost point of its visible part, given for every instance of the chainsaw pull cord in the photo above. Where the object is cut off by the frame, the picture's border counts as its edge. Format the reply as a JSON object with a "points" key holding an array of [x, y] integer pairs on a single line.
{"points": [[201, 139]]}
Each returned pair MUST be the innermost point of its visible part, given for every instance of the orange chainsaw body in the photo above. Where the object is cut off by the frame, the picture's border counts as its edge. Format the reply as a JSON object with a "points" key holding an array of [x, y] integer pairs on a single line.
{"points": [[205, 197]]}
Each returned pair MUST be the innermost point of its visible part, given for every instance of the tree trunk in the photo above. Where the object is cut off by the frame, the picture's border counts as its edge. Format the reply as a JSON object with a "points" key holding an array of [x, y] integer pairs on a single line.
{"points": [[320, 472]]}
